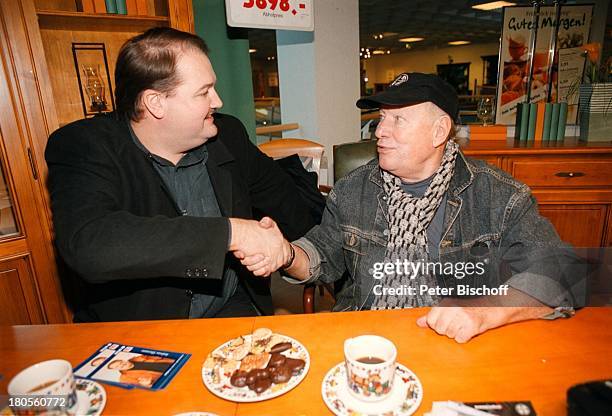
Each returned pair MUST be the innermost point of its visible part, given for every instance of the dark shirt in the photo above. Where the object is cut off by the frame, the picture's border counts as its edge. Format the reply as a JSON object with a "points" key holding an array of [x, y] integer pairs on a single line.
{"points": [[436, 226], [189, 186]]}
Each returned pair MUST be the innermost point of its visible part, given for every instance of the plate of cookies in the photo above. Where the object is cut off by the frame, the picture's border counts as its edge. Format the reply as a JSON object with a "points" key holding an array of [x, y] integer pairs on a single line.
{"points": [[255, 367]]}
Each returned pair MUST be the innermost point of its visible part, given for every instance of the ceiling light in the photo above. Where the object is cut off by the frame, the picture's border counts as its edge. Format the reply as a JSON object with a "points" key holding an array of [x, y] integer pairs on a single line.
{"points": [[493, 5], [252, 50], [388, 52], [378, 52], [459, 42], [415, 39]]}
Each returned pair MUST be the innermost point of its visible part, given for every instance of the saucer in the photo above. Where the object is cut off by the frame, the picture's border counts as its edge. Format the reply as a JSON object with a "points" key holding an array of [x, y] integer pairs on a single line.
{"points": [[91, 397], [404, 399]]}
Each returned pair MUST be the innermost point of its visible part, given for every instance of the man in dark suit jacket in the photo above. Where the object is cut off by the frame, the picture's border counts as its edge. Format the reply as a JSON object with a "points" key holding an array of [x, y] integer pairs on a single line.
{"points": [[149, 202]]}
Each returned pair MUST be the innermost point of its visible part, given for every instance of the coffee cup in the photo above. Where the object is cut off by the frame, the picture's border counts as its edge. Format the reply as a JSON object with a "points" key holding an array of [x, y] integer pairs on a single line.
{"points": [[370, 367], [47, 387]]}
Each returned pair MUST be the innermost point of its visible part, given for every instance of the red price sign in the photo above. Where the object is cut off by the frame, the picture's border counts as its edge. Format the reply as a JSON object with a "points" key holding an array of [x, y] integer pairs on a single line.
{"points": [[283, 5], [270, 14]]}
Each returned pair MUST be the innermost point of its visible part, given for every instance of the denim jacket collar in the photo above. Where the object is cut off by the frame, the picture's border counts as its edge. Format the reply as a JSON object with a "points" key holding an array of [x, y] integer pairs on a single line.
{"points": [[462, 178]]}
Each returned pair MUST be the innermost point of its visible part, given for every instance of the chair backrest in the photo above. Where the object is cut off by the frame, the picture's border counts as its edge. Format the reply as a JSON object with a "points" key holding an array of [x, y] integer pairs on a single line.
{"points": [[349, 156], [303, 148]]}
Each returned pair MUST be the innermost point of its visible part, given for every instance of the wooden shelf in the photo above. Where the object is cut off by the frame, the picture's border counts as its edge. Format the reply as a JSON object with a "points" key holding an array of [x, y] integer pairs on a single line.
{"points": [[62, 19]]}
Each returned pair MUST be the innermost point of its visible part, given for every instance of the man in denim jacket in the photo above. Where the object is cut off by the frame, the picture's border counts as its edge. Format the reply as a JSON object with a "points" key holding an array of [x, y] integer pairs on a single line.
{"points": [[425, 226]]}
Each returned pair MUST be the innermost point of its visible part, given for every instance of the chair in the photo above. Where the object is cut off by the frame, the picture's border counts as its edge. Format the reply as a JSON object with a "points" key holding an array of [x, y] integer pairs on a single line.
{"points": [[303, 148], [347, 157]]}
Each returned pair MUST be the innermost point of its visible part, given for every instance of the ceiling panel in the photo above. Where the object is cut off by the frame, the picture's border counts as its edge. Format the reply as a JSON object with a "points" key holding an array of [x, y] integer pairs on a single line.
{"points": [[438, 21]]}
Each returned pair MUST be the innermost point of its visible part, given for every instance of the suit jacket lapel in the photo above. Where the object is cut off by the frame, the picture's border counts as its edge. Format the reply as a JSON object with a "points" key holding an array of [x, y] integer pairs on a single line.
{"points": [[218, 165]]}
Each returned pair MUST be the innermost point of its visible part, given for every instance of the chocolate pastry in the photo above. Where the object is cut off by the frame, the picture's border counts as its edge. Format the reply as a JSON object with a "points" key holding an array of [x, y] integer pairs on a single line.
{"points": [[251, 377], [282, 374], [262, 373], [261, 385], [239, 378], [280, 347], [295, 364], [276, 360]]}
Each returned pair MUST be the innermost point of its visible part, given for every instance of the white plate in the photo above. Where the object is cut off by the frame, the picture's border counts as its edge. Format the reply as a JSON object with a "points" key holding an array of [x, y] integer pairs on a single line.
{"points": [[226, 391], [403, 400], [91, 397]]}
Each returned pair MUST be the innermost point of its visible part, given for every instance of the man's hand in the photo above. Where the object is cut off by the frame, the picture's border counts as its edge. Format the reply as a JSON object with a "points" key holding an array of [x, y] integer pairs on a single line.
{"points": [[260, 246], [459, 323]]}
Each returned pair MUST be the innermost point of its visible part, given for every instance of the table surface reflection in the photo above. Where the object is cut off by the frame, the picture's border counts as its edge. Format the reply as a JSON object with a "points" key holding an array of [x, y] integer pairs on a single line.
{"points": [[536, 360]]}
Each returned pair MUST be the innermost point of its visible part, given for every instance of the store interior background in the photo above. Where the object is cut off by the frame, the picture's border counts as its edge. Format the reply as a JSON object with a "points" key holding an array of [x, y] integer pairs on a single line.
{"points": [[383, 51]]}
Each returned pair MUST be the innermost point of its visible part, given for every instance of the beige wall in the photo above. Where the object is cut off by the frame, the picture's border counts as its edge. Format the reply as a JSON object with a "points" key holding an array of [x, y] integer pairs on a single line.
{"points": [[384, 68]]}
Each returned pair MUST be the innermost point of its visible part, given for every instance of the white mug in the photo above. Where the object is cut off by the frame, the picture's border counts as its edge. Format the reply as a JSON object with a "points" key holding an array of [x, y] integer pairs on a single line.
{"points": [[47, 387], [370, 367]]}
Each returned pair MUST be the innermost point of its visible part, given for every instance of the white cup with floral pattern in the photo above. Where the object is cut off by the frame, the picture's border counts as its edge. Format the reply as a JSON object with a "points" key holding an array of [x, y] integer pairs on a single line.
{"points": [[370, 367]]}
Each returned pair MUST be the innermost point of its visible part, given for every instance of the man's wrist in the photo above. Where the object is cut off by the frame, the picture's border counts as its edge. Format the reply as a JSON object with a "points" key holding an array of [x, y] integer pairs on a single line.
{"points": [[289, 262], [235, 225], [229, 234]]}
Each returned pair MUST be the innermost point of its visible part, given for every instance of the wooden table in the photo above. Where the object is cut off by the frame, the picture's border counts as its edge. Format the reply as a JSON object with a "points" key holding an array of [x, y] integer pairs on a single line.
{"points": [[535, 360]]}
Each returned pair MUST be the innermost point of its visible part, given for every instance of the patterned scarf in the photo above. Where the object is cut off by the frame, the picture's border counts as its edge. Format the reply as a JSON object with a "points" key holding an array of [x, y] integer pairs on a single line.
{"points": [[408, 219]]}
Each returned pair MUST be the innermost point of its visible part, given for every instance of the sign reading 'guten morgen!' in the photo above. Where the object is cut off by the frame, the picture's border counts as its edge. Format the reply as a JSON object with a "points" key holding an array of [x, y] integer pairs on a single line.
{"points": [[574, 27], [271, 14]]}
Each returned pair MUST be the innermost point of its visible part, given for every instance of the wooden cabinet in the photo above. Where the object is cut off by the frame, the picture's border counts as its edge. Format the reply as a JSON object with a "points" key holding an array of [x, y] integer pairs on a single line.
{"points": [[18, 293], [583, 225], [29, 289], [571, 180], [39, 92], [60, 25]]}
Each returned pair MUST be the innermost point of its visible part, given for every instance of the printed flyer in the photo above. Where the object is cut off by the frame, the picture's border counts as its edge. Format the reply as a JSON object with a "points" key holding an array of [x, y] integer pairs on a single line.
{"points": [[574, 27]]}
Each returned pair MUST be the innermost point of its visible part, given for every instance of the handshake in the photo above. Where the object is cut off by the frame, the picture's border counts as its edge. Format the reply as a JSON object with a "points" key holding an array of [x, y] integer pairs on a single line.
{"points": [[260, 246]]}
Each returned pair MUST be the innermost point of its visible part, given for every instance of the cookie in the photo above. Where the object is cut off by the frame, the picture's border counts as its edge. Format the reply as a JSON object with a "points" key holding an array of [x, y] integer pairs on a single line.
{"points": [[295, 364], [239, 378], [280, 347], [274, 339], [281, 374], [253, 361]]}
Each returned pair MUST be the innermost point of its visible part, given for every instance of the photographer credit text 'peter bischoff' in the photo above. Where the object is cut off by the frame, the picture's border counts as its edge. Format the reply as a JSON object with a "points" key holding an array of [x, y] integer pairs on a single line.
{"points": [[411, 270]]}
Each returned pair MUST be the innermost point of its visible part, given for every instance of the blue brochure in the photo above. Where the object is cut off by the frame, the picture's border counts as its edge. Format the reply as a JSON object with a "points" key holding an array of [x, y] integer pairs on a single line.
{"points": [[128, 366]]}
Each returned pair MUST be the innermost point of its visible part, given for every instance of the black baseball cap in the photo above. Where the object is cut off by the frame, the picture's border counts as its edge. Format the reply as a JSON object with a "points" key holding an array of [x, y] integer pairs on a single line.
{"points": [[414, 88]]}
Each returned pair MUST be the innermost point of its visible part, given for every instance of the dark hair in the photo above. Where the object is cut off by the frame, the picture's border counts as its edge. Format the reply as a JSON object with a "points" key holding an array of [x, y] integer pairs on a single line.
{"points": [[148, 61]]}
